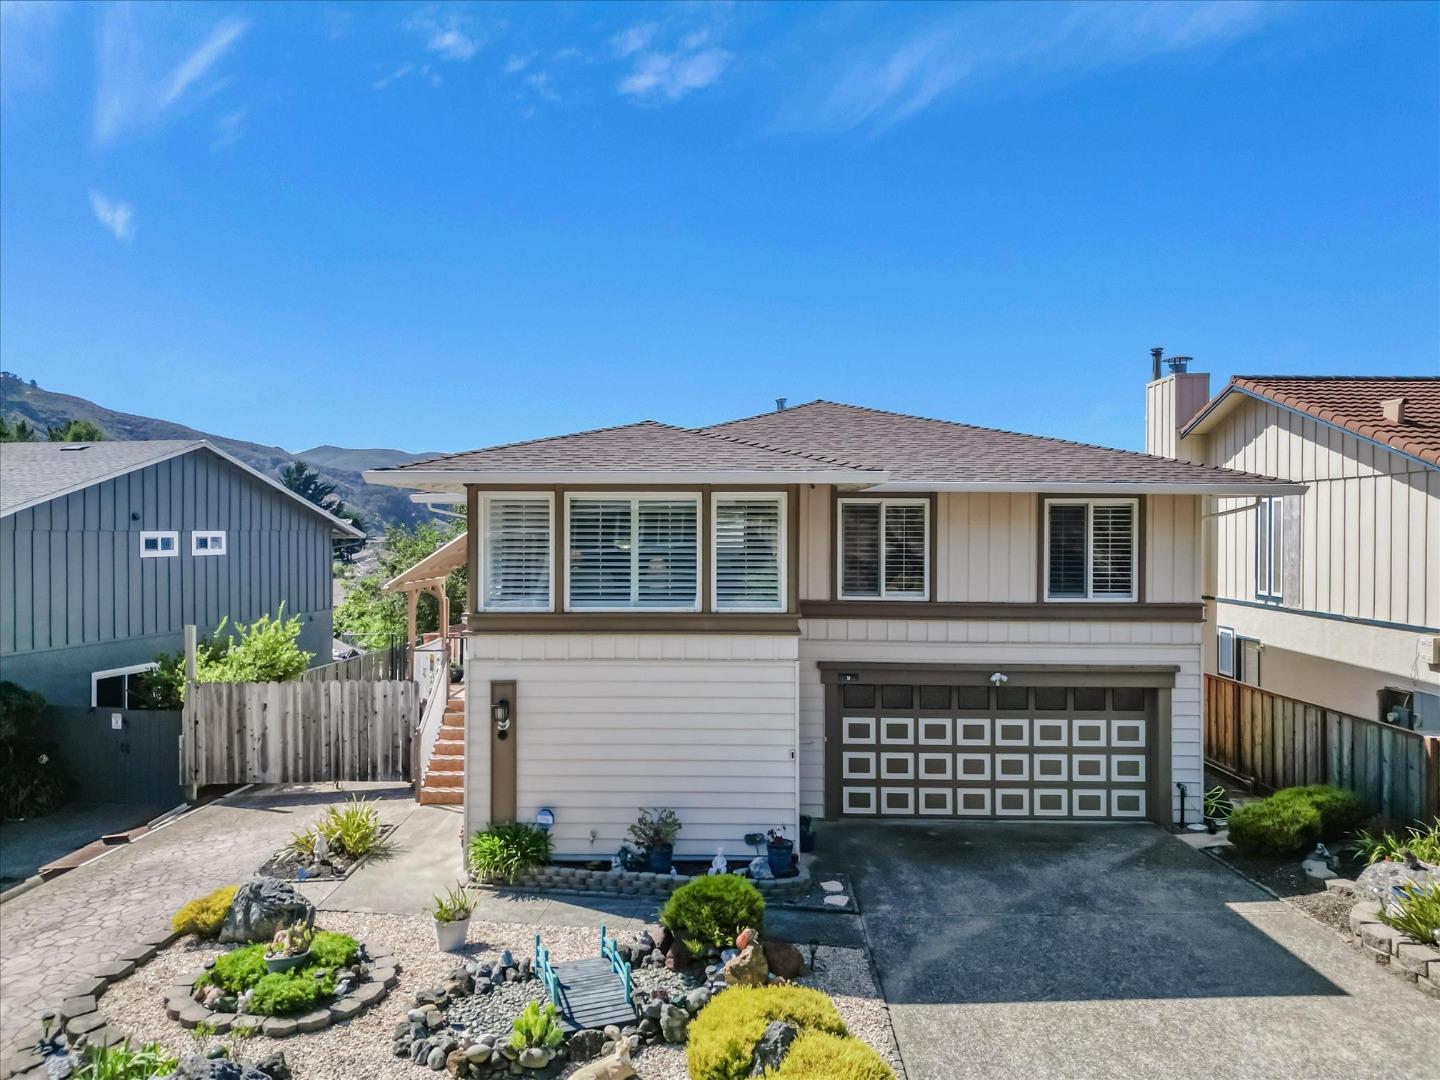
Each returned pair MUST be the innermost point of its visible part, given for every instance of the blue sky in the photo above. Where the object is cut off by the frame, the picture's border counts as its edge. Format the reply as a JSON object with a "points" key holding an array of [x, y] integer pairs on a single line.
{"points": [[442, 226]]}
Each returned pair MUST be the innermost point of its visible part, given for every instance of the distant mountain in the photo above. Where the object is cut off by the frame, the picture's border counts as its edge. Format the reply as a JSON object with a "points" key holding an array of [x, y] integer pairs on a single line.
{"points": [[339, 457], [376, 504]]}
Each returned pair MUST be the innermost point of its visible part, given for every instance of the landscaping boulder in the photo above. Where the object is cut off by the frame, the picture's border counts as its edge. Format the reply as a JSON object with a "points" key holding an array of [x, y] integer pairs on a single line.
{"points": [[770, 1051], [784, 959], [261, 907], [679, 957], [673, 1023], [748, 968], [585, 1044], [200, 1067]]}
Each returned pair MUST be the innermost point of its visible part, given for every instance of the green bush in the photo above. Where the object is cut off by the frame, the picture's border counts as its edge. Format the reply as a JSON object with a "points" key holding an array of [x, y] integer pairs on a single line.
{"points": [[818, 1055], [507, 851], [203, 915], [1421, 841], [263, 651], [1275, 827], [281, 992], [32, 782], [352, 829], [711, 911], [537, 1027], [722, 1037], [1341, 812]]}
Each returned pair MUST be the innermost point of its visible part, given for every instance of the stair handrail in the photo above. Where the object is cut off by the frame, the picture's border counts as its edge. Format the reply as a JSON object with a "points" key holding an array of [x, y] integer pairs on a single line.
{"points": [[437, 696]]}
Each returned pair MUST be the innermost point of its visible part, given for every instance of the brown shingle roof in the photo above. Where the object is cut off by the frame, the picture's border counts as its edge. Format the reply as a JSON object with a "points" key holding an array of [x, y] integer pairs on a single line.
{"points": [[916, 449], [1353, 402], [648, 445]]}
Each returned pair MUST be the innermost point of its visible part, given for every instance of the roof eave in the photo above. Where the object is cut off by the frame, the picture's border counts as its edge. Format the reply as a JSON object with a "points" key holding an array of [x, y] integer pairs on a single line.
{"points": [[443, 480], [1090, 487]]}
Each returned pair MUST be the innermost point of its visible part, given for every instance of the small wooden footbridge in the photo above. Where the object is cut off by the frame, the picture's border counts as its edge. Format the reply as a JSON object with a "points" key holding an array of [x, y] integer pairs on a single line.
{"points": [[589, 993]]}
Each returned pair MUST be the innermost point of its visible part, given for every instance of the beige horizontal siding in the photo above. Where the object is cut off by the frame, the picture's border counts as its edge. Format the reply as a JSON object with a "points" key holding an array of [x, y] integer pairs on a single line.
{"points": [[606, 724], [1000, 643]]}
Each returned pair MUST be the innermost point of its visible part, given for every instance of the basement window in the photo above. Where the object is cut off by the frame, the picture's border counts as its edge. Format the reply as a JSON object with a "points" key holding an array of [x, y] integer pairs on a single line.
{"points": [[159, 545], [112, 689]]}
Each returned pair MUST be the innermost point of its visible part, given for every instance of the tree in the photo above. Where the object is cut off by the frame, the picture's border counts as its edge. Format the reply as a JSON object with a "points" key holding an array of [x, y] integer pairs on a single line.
{"points": [[373, 618], [306, 482], [21, 431], [76, 431]]}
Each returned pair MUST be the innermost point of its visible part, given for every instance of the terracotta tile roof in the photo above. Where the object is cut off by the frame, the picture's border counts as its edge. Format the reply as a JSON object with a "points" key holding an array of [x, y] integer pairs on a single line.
{"points": [[916, 449], [648, 445], [1353, 402]]}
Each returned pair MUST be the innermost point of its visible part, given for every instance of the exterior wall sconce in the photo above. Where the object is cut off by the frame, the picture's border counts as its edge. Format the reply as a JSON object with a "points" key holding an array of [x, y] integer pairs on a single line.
{"points": [[500, 713]]}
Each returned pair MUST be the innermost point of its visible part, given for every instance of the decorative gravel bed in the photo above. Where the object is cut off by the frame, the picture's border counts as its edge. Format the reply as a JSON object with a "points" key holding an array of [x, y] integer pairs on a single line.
{"points": [[361, 1049]]}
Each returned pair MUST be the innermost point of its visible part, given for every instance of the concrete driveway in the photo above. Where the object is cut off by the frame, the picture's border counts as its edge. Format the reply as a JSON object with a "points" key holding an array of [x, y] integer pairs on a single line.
{"points": [[1050, 950]]}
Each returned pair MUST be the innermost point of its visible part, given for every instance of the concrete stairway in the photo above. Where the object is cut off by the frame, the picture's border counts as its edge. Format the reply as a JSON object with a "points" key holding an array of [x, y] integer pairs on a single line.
{"points": [[444, 781]]}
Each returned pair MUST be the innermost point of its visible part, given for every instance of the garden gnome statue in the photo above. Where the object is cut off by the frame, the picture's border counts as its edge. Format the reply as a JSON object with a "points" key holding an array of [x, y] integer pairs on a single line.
{"points": [[719, 865]]}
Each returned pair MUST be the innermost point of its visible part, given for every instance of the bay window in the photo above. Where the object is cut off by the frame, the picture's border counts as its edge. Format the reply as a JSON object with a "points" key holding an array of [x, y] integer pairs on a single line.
{"points": [[1090, 549], [884, 548], [632, 552], [749, 552], [515, 566]]}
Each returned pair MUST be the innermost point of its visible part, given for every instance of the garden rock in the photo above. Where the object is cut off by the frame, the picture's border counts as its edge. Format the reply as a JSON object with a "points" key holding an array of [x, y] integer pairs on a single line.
{"points": [[673, 1023], [679, 957], [260, 908], [784, 959], [696, 1000], [275, 1067], [200, 1067], [748, 968], [770, 1051], [585, 1044], [436, 1059]]}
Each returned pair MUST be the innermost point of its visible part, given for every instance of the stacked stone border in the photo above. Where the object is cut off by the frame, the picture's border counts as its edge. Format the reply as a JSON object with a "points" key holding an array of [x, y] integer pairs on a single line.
{"points": [[1417, 963], [632, 883], [78, 1012]]}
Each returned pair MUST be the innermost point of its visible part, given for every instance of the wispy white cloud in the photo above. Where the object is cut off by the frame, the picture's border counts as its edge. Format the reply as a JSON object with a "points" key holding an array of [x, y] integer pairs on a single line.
{"points": [[901, 77], [399, 73], [670, 76], [425, 72], [569, 52], [450, 33], [118, 217], [539, 81], [632, 39], [228, 130], [27, 44], [134, 93], [518, 62]]}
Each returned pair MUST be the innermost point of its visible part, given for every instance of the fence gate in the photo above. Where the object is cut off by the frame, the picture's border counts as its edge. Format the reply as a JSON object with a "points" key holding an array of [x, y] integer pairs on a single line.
{"points": [[120, 755], [311, 731]]}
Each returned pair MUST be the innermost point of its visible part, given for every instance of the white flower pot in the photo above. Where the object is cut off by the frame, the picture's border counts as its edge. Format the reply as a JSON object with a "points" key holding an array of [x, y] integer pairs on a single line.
{"points": [[450, 936]]}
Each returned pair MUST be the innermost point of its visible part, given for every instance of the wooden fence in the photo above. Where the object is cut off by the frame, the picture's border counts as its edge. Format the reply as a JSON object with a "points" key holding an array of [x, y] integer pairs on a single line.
{"points": [[1281, 742], [298, 732], [369, 665]]}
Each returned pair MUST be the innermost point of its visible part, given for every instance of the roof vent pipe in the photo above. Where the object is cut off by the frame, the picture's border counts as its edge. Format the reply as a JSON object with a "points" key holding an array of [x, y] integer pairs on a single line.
{"points": [[1178, 364], [1155, 355], [780, 404]]}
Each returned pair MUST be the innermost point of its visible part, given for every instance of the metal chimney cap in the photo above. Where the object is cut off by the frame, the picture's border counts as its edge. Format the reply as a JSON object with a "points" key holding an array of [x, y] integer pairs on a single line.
{"points": [[780, 404], [1178, 364]]}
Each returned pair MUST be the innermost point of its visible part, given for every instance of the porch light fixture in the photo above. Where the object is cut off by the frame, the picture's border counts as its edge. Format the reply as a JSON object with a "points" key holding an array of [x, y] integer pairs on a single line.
{"points": [[500, 713]]}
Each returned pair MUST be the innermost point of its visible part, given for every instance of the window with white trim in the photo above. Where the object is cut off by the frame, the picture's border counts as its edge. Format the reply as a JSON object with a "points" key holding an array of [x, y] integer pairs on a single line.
{"points": [[516, 553], [155, 544], [1270, 548], [1225, 651], [749, 552], [884, 547], [207, 543], [632, 553], [1091, 549], [111, 689]]}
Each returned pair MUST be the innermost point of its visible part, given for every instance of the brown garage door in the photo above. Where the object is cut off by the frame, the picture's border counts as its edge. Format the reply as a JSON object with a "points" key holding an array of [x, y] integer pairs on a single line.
{"points": [[901, 750]]}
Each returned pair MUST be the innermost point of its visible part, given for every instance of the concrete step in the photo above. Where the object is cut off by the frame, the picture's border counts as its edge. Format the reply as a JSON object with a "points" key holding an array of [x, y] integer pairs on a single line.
{"points": [[436, 779], [449, 747], [446, 763], [442, 796]]}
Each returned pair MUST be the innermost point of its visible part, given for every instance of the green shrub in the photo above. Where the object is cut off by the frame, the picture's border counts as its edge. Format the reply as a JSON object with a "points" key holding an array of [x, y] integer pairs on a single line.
{"points": [[333, 950], [1275, 827], [203, 915], [507, 851], [1421, 841], [263, 651], [237, 970], [125, 1062], [1415, 912], [32, 782], [537, 1027], [818, 1055], [711, 911], [1341, 811], [352, 829], [722, 1037], [281, 992]]}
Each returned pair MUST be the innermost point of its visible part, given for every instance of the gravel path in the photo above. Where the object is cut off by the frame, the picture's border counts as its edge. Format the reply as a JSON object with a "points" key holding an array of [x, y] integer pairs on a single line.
{"points": [[360, 1050]]}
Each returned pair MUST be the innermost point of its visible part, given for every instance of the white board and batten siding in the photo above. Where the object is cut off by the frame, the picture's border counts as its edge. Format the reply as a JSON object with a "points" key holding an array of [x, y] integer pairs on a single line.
{"points": [[607, 723], [1000, 642]]}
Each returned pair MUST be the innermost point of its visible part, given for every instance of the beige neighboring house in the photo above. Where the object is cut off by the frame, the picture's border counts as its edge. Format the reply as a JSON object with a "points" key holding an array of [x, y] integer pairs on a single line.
{"points": [[827, 610], [1330, 595]]}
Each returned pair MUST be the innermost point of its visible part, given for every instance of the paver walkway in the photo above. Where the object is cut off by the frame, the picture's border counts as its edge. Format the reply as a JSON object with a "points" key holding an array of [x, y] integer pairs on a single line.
{"points": [[81, 919], [1047, 950]]}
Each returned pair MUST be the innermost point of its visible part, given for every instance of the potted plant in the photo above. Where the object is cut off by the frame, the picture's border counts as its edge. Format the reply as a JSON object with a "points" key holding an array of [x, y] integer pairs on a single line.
{"points": [[780, 850], [451, 912], [457, 671], [654, 833], [289, 948]]}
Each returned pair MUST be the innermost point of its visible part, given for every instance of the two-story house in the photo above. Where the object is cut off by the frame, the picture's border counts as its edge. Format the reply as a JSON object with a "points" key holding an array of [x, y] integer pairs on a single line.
{"points": [[828, 610], [1330, 595]]}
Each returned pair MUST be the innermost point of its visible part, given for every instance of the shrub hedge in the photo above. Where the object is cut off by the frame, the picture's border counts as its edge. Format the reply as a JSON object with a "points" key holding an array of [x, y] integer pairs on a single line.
{"points": [[722, 1037], [818, 1055], [203, 915], [711, 911], [1271, 827], [1341, 812]]}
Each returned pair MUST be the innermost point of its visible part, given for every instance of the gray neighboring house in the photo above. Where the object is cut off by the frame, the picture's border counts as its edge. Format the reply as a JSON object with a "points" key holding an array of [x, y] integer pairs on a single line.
{"points": [[108, 549]]}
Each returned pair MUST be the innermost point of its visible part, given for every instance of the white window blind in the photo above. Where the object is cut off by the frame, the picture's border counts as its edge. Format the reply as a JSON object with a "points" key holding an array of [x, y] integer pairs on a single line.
{"points": [[1090, 549], [749, 538], [633, 553], [517, 554], [884, 549]]}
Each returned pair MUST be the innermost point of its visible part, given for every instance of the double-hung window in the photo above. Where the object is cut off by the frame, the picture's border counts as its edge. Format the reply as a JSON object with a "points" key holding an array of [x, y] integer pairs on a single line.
{"points": [[884, 549], [749, 547], [516, 550], [633, 553], [1269, 548], [1090, 549]]}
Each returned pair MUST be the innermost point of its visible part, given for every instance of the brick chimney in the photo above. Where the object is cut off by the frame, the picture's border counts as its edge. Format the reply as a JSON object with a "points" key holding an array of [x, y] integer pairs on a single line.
{"points": [[1171, 401]]}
